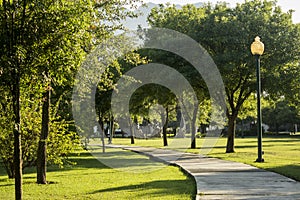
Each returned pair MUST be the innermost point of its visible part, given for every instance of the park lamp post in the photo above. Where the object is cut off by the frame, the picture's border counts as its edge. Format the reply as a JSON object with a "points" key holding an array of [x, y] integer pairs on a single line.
{"points": [[257, 49]]}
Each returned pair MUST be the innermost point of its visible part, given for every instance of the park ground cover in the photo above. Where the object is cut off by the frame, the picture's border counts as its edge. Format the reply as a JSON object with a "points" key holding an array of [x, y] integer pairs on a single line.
{"points": [[281, 153], [90, 179]]}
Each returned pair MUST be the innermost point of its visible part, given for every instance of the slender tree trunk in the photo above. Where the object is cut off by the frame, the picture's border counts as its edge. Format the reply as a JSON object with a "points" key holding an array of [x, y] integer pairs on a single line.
{"points": [[42, 146], [193, 137], [132, 139], [179, 122], [165, 140], [102, 141], [111, 128], [231, 133], [132, 129], [102, 134], [193, 126], [17, 135], [12, 41]]}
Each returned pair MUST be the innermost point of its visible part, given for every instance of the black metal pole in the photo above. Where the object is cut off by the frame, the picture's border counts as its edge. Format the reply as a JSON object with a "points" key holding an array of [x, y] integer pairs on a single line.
{"points": [[259, 117]]}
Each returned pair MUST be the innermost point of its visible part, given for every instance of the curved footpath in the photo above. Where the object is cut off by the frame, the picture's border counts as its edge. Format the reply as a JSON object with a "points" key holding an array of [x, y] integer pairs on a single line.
{"points": [[220, 179]]}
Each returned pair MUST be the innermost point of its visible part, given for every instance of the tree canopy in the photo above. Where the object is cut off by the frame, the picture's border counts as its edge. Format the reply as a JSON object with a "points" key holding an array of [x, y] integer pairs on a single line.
{"points": [[42, 45], [226, 33]]}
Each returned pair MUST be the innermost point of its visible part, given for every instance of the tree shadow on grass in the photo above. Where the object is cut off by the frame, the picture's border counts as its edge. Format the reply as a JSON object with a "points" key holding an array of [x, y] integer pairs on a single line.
{"points": [[162, 187], [236, 146], [7, 185], [116, 158], [282, 141], [80, 160], [272, 138], [83, 160], [291, 171]]}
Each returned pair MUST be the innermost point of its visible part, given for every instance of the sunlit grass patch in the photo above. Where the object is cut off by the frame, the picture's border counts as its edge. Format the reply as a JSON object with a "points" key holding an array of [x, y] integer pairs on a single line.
{"points": [[90, 179]]}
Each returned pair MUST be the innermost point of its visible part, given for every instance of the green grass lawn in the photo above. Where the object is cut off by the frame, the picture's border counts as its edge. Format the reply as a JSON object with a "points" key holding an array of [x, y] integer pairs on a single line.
{"points": [[282, 154], [90, 179]]}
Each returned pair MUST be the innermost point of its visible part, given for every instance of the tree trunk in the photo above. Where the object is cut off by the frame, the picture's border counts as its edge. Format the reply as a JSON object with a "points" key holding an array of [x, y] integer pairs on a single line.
{"points": [[132, 139], [111, 128], [165, 140], [17, 135], [132, 129], [12, 40], [102, 134], [231, 133], [102, 141], [179, 123], [193, 137], [42, 146], [193, 126], [9, 168]]}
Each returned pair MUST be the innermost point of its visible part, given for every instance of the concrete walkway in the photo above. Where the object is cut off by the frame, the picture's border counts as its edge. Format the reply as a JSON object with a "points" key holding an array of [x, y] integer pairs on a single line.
{"points": [[219, 179]]}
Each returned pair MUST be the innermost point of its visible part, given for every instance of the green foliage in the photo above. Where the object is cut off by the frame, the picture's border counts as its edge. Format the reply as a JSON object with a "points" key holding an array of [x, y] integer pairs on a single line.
{"points": [[61, 140], [184, 20], [290, 85], [226, 33], [44, 42], [6, 126], [249, 107], [109, 79], [280, 113], [141, 101], [204, 112]]}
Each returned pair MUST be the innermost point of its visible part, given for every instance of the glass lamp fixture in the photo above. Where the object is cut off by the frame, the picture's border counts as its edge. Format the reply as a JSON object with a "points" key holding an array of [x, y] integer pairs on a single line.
{"points": [[257, 47]]}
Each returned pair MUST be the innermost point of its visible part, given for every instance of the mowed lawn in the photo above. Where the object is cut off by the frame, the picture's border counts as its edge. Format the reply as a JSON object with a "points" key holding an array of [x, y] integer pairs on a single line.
{"points": [[281, 154], [90, 179]]}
